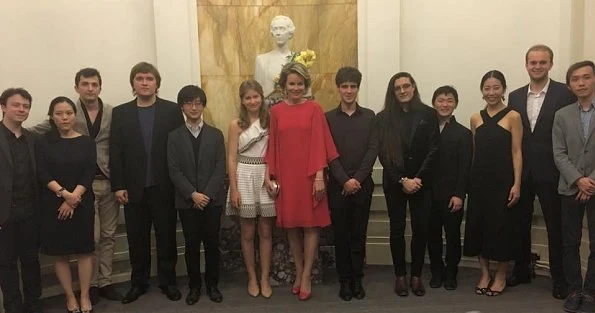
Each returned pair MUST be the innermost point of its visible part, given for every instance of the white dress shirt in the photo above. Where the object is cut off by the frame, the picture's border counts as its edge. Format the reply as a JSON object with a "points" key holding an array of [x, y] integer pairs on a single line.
{"points": [[534, 103], [195, 130]]}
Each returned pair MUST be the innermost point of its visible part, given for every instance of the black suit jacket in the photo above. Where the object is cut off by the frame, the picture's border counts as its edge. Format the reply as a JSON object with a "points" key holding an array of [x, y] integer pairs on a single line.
{"points": [[538, 159], [424, 140], [6, 170], [205, 175], [128, 161], [453, 164]]}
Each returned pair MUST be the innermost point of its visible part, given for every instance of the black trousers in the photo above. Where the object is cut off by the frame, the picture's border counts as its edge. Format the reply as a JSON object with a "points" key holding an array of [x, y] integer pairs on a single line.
{"points": [[419, 209], [441, 217], [572, 230], [550, 203], [156, 209], [19, 242], [202, 226], [350, 215]]}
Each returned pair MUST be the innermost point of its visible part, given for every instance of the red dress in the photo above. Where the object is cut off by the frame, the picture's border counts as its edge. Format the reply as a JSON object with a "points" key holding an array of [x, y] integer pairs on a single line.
{"points": [[300, 144]]}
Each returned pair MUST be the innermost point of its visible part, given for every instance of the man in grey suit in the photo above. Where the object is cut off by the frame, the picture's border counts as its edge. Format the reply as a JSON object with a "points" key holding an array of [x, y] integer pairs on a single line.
{"points": [[574, 154], [19, 228], [196, 161], [93, 119]]}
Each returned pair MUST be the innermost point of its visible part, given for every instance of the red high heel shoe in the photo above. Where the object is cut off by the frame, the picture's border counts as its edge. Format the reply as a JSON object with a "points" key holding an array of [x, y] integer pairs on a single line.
{"points": [[295, 290], [304, 295]]}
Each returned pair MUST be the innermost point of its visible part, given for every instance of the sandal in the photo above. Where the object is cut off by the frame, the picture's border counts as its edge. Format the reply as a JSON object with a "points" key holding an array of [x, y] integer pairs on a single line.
{"points": [[493, 293], [482, 291]]}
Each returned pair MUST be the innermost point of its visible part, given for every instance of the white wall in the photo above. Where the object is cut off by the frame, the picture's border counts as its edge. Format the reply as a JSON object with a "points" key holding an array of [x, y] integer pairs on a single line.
{"points": [[457, 42], [589, 31], [46, 42]]}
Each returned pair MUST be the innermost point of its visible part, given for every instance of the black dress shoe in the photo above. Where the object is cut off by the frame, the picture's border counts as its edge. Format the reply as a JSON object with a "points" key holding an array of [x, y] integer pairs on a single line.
{"points": [[94, 295], [573, 302], [214, 294], [33, 307], [193, 296], [358, 290], [515, 280], [134, 293], [171, 292], [436, 281], [417, 287], [401, 288], [109, 292], [559, 292], [450, 282], [345, 292], [588, 305]]}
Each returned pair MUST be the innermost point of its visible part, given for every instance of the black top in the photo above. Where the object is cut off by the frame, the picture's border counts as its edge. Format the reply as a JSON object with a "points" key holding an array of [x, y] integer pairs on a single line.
{"points": [[418, 145], [94, 128], [23, 182], [146, 118], [355, 143], [195, 145], [453, 163]]}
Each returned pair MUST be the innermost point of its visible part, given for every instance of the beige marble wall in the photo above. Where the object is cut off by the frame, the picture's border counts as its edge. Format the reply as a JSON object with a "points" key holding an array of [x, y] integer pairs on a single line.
{"points": [[232, 32]]}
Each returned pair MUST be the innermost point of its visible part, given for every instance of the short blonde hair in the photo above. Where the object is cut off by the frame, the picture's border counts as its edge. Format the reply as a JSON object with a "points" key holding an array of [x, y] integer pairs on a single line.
{"points": [[295, 68]]}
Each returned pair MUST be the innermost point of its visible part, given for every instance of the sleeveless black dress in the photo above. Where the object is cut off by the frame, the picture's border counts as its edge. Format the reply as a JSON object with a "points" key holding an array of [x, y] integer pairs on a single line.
{"points": [[490, 224]]}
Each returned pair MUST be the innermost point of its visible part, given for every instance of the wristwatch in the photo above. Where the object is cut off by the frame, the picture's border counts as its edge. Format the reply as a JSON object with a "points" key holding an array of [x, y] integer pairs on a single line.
{"points": [[59, 192], [402, 180]]}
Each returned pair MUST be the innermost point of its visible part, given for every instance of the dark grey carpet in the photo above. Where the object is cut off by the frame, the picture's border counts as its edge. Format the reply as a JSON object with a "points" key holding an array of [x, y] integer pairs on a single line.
{"points": [[535, 297]]}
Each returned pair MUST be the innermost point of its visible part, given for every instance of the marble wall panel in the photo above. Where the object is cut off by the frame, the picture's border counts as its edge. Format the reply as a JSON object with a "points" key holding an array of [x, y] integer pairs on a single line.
{"points": [[233, 32]]}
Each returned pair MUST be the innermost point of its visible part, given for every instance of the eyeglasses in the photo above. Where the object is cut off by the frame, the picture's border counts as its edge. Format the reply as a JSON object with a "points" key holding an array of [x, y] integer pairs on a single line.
{"points": [[195, 103], [403, 87]]}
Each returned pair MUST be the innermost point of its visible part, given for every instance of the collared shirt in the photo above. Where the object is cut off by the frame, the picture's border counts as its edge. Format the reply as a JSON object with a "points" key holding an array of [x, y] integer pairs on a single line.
{"points": [[442, 125], [23, 182], [534, 103], [94, 128], [351, 136], [586, 117], [195, 130]]}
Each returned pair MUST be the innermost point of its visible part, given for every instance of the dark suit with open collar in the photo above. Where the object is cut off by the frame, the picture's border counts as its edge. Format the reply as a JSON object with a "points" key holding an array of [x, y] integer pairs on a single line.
{"points": [[147, 204], [19, 238], [203, 173], [540, 177], [423, 143], [450, 179]]}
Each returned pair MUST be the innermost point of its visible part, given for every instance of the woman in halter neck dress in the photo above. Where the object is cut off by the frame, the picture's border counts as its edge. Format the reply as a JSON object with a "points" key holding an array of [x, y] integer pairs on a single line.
{"points": [[248, 197]]}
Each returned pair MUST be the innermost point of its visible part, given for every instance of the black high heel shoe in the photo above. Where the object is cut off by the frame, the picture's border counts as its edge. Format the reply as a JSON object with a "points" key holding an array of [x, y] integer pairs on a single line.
{"points": [[482, 291]]}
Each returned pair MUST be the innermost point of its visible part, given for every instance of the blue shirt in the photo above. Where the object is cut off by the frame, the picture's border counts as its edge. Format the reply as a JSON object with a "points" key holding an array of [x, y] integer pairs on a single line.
{"points": [[586, 118]]}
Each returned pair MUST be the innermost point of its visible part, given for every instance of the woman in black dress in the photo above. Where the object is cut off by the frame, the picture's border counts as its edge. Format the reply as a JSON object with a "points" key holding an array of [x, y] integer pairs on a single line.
{"points": [[66, 163], [495, 184]]}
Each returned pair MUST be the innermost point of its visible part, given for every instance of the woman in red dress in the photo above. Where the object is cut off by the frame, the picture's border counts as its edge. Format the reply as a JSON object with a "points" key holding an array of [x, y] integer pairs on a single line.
{"points": [[300, 147]]}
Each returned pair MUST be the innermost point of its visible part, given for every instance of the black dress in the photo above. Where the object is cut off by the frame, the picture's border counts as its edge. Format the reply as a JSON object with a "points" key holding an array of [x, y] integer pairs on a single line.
{"points": [[70, 162], [490, 223]]}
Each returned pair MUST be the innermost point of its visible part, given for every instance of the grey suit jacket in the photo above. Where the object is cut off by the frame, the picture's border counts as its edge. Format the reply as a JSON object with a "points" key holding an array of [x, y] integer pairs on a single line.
{"points": [[102, 139], [207, 175], [574, 156], [6, 170]]}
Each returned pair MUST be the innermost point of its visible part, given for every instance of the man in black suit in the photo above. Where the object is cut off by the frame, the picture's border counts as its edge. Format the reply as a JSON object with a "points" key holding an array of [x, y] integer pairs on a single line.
{"points": [[19, 228], [408, 144], [537, 103], [139, 177], [196, 158], [350, 186], [449, 188]]}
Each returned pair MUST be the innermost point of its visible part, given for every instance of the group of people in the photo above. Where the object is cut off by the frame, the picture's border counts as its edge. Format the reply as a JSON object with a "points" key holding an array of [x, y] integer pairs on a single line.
{"points": [[294, 166]]}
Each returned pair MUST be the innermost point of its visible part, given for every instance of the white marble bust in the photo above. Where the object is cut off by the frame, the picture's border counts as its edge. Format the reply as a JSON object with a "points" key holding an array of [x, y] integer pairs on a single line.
{"points": [[268, 65]]}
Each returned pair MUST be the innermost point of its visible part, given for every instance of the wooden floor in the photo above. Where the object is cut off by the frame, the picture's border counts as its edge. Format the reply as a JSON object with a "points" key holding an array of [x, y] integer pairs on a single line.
{"points": [[535, 297]]}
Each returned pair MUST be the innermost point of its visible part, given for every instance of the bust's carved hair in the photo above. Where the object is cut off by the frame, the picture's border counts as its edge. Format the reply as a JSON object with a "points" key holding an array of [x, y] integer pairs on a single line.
{"points": [[286, 20]]}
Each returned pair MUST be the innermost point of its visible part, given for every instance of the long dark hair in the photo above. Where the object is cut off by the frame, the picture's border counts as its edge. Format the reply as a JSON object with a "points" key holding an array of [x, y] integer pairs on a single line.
{"points": [[53, 134], [390, 134], [263, 113]]}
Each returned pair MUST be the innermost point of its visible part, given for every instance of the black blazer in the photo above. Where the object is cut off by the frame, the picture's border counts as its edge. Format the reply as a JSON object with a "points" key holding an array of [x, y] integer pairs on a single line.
{"points": [[453, 164], [205, 175], [127, 159], [6, 170], [538, 158], [424, 140]]}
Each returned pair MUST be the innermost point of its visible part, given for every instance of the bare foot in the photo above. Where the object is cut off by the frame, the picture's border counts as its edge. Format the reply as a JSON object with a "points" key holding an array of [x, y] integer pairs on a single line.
{"points": [[253, 289], [71, 303], [86, 304], [306, 286]]}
